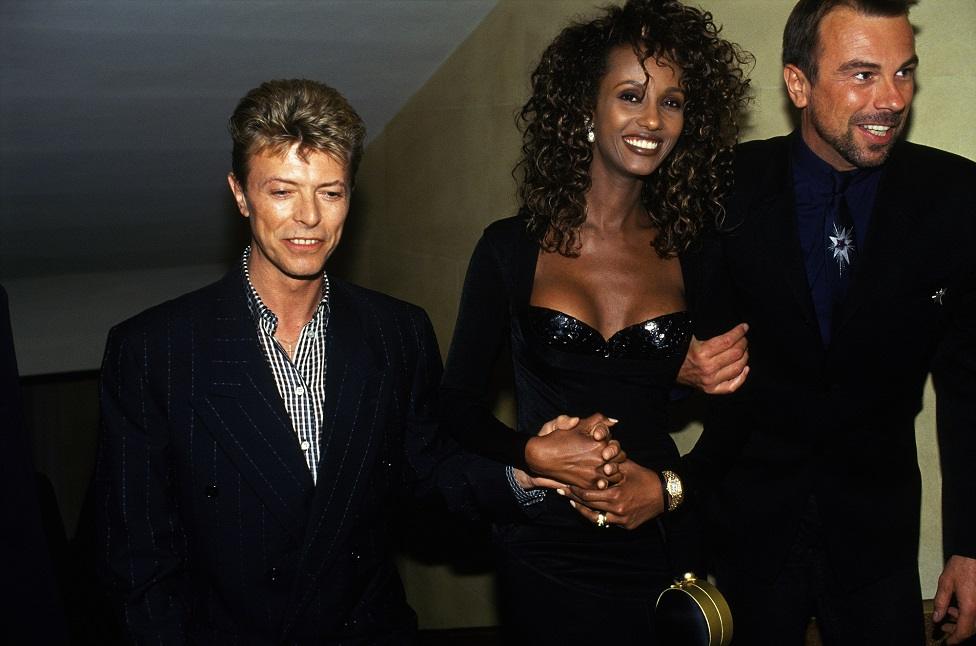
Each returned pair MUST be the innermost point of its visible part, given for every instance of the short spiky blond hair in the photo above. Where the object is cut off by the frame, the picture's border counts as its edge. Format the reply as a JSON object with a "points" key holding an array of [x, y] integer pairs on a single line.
{"points": [[279, 114]]}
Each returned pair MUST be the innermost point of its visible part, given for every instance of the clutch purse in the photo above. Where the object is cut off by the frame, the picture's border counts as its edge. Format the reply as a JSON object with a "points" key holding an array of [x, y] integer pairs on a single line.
{"points": [[692, 612]]}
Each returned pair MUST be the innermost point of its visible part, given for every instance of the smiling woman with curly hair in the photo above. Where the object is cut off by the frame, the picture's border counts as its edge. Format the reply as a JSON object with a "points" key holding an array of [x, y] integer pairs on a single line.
{"points": [[626, 162], [685, 195]]}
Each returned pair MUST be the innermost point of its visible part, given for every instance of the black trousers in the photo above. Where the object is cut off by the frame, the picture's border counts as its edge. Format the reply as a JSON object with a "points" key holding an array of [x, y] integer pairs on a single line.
{"points": [[886, 611]]}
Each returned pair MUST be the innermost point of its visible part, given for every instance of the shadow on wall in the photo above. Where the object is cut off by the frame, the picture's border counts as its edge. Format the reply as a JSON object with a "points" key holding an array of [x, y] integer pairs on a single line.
{"points": [[347, 260]]}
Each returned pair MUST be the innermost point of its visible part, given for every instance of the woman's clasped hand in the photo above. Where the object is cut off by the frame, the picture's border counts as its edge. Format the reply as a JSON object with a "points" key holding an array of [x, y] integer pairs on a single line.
{"points": [[573, 452]]}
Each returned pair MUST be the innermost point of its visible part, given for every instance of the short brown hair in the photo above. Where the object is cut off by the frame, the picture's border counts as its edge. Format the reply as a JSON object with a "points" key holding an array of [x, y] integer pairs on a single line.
{"points": [[279, 114], [801, 37]]}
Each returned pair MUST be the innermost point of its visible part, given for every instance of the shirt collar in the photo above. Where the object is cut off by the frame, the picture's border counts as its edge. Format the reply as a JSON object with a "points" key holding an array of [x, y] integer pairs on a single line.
{"points": [[818, 172], [262, 313]]}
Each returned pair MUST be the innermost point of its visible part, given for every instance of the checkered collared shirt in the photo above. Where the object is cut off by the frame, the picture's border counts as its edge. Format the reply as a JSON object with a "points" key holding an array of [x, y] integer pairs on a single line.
{"points": [[300, 381]]}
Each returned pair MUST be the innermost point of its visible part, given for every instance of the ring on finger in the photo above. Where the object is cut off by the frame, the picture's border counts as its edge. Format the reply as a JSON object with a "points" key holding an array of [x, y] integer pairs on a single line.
{"points": [[601, 520]]}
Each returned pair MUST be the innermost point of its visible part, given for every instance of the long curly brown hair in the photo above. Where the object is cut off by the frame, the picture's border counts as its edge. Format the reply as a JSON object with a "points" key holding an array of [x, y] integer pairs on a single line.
{"points": [[685, 195]]}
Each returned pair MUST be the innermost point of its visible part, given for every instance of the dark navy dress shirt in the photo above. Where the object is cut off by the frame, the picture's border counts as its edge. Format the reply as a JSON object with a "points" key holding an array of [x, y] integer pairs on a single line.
{"points": [[813, 190]]}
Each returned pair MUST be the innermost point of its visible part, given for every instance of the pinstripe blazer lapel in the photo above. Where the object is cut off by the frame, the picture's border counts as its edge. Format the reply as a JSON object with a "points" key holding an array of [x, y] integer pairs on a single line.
{"points": [[356, 395], [241, 407]]}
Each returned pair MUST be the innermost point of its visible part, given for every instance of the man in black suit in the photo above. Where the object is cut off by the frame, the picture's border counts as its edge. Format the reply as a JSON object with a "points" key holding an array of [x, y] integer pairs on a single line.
{"points": [[259, 432], [850, 254]]}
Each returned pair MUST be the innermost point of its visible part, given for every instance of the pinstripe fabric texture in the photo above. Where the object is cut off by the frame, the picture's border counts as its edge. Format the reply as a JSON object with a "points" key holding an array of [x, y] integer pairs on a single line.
{"points": [[525, 498], [210, 527], [300, 380]]}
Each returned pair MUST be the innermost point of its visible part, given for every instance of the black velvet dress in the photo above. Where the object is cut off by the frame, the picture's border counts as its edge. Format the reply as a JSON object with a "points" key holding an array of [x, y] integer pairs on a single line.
{"points": [[562, 579]]}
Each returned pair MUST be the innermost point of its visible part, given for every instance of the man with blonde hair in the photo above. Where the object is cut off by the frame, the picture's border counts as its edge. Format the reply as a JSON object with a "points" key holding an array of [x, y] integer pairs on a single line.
{"points": [[259, 432]]}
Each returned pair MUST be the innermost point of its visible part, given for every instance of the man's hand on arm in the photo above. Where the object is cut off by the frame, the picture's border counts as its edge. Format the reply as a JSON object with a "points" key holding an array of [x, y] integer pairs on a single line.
{"points": [[958, 579], [719, 365]]}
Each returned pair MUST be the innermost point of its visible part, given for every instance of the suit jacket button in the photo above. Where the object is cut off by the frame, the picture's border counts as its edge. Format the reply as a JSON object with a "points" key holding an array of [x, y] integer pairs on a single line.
{"points": [[212, 491], [273, 575]]}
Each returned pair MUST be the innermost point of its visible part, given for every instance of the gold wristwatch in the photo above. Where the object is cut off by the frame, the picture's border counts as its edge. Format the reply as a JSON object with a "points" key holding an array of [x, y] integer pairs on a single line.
{"points": [[674, 493]]}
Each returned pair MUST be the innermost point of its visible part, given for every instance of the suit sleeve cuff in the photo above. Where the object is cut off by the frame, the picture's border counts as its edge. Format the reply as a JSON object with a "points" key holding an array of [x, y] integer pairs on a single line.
{"points": [[525, 498]]}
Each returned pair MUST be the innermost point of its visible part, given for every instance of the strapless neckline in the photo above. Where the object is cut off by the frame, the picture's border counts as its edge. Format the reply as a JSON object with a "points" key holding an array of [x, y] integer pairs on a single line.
{"points": [[653, 319], [662, 336]]}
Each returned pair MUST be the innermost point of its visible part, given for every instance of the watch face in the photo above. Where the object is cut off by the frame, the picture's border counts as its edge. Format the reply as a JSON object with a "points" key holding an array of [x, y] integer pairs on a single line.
{"points": [[675, 492]]}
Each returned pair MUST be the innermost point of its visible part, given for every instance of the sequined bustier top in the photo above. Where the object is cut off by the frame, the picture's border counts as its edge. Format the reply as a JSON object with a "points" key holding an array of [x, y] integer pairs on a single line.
{"points": [[662, 337]]}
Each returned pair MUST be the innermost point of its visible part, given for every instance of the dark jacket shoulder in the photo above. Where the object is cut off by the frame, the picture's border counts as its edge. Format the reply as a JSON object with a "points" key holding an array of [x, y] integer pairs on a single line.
{"points": [[378, 312], [215, 299], [199, 303], [755, 160], [397, 331], [760, 171], [507, 231], [925, 160], [508, 244], [932, 165], [370, 298], [762, 150]]}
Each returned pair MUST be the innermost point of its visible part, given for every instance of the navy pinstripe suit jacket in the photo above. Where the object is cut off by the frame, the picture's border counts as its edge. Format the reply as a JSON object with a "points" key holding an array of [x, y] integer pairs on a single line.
{"points": [[210, 528]]}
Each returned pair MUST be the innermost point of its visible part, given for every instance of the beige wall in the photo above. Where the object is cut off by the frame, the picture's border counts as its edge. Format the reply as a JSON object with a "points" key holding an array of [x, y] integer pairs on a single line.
{"points": [[441, 171]]}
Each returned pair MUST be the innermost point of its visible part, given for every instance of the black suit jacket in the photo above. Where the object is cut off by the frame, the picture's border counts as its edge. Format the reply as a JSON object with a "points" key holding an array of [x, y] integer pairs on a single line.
{"points": [[838, 422], [210, 526]]}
